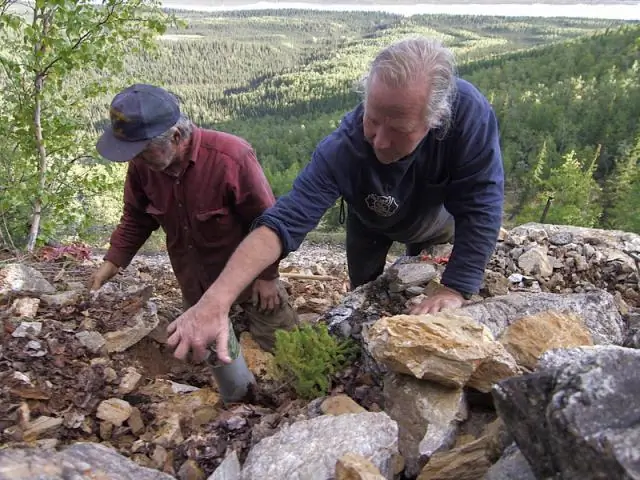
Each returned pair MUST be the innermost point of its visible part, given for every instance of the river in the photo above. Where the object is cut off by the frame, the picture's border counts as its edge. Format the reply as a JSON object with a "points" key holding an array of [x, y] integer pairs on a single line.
{"points": [[621, 11]]}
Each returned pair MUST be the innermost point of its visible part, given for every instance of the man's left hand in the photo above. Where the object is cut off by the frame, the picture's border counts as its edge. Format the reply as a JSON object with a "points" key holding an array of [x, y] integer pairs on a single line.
{"points": [[443, 298], [265, 295]]}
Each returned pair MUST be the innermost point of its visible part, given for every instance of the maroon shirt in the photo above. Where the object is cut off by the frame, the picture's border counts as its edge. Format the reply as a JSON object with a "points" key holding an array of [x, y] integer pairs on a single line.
{"points": [[205, 212]]}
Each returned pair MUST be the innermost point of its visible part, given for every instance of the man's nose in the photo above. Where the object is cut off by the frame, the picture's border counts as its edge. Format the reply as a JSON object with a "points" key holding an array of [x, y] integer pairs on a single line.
{"points": [[381, 140]]}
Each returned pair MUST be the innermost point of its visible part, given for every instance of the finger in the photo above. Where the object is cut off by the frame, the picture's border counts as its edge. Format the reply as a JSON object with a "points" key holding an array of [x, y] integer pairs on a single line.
{"points": [[435, 307], [172, 326], [182, 349], [173, 340], [270, 302], [255, 297], [222, 345], [264, 299], [199, 349]]}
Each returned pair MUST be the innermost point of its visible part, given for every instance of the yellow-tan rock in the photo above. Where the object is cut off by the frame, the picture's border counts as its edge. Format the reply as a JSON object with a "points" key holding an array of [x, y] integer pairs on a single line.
{"points": [[258, 361], [447, 348], [529, 337], [352, 466], [340, 404]]}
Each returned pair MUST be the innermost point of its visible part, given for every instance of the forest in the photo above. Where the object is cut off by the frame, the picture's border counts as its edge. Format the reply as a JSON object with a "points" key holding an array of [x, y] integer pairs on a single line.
{"points": [[566, 93]]}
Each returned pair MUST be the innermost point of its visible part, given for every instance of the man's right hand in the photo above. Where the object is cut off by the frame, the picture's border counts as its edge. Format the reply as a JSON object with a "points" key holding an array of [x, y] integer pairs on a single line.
{"points": [[106, 271], [197, 328]]}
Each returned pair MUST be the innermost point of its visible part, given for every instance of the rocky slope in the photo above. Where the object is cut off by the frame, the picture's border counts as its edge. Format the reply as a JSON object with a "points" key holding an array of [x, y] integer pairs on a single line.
{"points": [[533, 378]]}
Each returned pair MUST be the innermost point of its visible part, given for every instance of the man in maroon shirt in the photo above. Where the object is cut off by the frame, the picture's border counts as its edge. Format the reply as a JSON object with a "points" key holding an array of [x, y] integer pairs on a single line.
{"points": [[203, 187]]}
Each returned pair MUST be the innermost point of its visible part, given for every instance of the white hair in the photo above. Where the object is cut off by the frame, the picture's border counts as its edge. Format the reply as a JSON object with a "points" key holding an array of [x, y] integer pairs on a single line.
{"points": [[418, 59]]}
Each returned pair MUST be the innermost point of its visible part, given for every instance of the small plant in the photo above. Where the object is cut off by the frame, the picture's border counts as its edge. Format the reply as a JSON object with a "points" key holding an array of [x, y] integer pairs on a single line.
{"points": [[308, 356]]}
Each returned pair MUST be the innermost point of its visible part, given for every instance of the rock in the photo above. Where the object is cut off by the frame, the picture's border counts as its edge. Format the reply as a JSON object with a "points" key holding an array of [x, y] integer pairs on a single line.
{"points": [[467, 462], [41, 426], [190, 471], [561, 238], [258, 361], [576, 416], [62, 299], [129, 382], [159, 334], [169, 433], [403, 276], [144, 321], [535, 262], [446, 348], [25, 307], [80, 460], [496, 283], [27, 328], [114, 410], [427, 414], [511, 466], [528, 338], [91, 340], [597, 309], [229, 469], [135, 422], [356, 467], [23, 280], [309, 449], [339, 405]]}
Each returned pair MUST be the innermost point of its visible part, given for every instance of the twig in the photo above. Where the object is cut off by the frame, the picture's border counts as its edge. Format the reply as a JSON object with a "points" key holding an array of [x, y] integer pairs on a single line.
{"points": [[302, 276]]}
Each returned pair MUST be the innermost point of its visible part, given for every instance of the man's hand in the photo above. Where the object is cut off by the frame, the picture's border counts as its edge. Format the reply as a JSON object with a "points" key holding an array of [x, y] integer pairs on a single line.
{"points": [[443, 298], [106, 271], [266, 295], [196, 329]]}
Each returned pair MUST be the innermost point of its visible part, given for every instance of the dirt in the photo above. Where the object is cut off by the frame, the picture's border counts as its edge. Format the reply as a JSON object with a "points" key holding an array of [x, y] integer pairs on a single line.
{"points": [[63, 379]]}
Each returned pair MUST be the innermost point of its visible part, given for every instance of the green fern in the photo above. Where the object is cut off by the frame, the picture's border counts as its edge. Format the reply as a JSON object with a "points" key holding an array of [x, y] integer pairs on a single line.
{"points": [[308, 356]]}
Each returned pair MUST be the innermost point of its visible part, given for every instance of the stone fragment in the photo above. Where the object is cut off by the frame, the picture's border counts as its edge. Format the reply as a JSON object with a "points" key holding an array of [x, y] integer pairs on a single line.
{"points": [[309, 449], [62, 299], [427, 414], [129, 382], [144, 321], [229, 469], [27, 328], [597, 309], [190, 471], [340, 404], [80, 460], [496, 284], [41, 426], [535, 262], [91, 340], [467, 462], [561, 238], [405, 275], [529, 337], [446, 348], [169, 433], [258, 360], [576, 416], [23, 280], [135, 422], [356, 467], [511, 466], [114, 410], [25, 307]]}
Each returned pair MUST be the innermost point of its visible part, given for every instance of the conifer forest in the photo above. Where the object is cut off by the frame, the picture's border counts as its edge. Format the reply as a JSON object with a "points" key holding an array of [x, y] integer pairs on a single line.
{"points": [[566, 93]]}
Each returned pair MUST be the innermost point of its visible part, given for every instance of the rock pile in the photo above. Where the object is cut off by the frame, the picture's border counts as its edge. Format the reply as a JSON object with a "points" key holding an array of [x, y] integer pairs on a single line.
{"points": [[532, 378], [548, 290]]}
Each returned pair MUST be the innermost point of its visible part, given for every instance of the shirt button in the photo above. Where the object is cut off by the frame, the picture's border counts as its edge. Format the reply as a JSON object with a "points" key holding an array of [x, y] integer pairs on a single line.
{"points": [[177, 182], [185, 227]]}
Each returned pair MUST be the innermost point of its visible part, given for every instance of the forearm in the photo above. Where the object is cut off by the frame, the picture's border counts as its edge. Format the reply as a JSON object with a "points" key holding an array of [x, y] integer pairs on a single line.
{"points": [[261, 248]]}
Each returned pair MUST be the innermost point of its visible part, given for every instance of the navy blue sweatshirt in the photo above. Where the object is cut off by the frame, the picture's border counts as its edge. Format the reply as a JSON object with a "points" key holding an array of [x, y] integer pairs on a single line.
{"points": [[457, 171]]}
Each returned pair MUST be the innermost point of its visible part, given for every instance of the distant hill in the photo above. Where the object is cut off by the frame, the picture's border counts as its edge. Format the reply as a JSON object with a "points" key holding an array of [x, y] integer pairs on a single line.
{"points": [[227, 3]]}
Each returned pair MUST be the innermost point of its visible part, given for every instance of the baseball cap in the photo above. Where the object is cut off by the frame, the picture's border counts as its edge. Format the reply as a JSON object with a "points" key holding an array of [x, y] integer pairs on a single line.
{"points": [[138, 114]]}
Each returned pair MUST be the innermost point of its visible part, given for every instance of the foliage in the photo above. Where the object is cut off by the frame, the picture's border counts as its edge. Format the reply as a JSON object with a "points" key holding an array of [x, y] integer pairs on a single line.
{"points": [[624, 192], [42, 120], [308, 356], [573, 191]]}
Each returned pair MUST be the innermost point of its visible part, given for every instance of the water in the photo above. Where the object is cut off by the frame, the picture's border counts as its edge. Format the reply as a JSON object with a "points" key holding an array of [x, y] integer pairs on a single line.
{"points": [[611, 11]]}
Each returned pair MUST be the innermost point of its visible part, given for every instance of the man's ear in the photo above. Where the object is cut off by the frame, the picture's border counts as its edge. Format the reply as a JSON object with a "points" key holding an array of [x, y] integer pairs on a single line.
{"points": [[176, 138]]}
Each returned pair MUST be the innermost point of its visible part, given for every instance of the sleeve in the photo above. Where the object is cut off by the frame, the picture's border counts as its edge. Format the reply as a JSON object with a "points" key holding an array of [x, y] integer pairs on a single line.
{"points": [[475, 198], [135, 226], [298, 212], [252, 196]]}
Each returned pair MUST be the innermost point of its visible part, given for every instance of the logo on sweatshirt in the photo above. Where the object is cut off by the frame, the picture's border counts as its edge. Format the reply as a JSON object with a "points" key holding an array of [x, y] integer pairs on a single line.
{"points": [[383, 205]]}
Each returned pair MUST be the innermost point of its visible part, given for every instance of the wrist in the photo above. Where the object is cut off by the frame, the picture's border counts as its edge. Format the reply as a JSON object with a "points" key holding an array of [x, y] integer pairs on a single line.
{"points": [[464, 295]]}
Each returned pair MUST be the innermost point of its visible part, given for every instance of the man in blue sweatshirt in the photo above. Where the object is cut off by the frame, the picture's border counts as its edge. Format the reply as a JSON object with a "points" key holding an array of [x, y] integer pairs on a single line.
{"points": [[418, 159]]}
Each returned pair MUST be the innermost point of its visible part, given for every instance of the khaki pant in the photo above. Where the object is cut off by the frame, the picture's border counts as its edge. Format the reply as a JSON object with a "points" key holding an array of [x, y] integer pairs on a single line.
{"points": [[263, 325]]}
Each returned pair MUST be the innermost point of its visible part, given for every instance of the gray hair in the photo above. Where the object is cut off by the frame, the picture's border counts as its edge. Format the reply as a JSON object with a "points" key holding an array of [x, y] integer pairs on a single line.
{"points": [[184, 126], [414, 59]]}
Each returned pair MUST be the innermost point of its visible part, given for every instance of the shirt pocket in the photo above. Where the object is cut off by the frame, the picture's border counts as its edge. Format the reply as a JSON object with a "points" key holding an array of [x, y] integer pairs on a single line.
{"points": [[212, 227]]}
